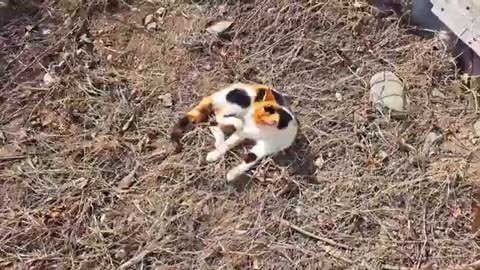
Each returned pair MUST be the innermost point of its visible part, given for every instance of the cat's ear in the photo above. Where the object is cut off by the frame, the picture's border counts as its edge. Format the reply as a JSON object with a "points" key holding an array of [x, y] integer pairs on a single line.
{"points": [[269, 95]]}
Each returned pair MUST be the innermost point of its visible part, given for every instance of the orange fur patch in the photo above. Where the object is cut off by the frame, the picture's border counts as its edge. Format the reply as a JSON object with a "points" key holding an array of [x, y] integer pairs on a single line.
{"points": [[261, 117], [269, 95], [201, 111]]}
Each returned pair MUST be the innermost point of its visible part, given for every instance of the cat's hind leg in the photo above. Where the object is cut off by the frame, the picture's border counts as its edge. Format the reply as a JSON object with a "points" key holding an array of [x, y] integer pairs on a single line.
{"points": [[259, 151], [218, 135], [230, 143]]}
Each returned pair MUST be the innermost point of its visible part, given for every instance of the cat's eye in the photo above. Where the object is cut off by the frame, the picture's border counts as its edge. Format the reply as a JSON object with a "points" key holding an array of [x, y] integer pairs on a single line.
{"points": [[269, 109]]}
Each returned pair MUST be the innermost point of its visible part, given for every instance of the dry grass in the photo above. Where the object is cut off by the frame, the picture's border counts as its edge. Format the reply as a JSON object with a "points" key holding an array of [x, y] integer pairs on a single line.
{"points": [[89, 180]]}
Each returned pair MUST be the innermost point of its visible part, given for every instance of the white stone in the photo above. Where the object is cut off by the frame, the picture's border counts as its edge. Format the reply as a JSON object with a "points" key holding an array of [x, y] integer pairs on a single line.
{"points": [[387, 90], [48, 80], [219, 27], [148, 19], [161, 11], [339, 96], [437, 93], [476, 128], [152, 26]]}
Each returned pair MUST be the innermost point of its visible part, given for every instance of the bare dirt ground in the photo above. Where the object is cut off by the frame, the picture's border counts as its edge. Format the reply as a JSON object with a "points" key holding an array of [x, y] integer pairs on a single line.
{"points": [[90, 181]]}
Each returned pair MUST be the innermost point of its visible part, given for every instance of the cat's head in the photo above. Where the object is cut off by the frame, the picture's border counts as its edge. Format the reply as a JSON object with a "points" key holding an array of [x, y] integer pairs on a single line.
{"points": [[266, 110]]}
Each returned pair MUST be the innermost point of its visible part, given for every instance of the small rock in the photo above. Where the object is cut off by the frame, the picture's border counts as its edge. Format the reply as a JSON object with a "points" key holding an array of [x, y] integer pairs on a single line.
{"points": [[476, 128], [128, 180], [152, 26], [166, 100], [208, 66], [161, 11], [464, 78], [359, 4], [431, 140], [319, 162], [219, 27], [271, 10], [103, 218], [48, 80], [382, 155], [222, 9], [437, 93], [4, 3], [120, 254], [148, 19], [475, 82], [85, 39], [339, 96], [46, 31], [387, 90]]}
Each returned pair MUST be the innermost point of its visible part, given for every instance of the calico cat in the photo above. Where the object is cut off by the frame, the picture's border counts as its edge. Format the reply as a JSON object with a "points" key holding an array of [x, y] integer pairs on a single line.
{"points": [[255, 112]]}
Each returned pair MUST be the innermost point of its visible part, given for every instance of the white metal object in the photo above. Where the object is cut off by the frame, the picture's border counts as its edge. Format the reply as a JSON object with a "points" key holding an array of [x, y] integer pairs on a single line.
{"points": [[462, 17]]}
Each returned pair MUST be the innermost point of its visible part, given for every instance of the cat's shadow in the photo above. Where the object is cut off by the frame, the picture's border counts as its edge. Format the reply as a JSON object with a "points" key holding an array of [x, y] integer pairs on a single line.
{"points": [[298, 159]]}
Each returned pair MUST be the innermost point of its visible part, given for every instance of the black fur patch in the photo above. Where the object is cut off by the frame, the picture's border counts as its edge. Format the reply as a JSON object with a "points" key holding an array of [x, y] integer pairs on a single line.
{"points": [[260, 95], [240, 97], [279, 98], [183, 122], [250, 157], [228, 129], [285, 118], [175, 135], [269, 109]]}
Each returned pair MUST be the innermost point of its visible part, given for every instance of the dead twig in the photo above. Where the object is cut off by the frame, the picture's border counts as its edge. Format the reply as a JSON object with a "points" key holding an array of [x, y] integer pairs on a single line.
{"points": [[314, 236]]}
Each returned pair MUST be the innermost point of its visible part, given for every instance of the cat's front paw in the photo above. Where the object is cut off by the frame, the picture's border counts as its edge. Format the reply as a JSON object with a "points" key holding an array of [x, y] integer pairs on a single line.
{"points": [[234, 173], [219, 143], [213, 156]]}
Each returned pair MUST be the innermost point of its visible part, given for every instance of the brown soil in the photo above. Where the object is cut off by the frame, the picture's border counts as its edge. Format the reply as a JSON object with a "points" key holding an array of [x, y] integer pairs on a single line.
{"points": [[90, 181]]}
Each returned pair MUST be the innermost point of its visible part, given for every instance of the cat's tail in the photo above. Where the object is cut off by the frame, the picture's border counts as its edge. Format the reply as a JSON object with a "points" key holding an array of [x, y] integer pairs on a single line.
{"points": [[198, 114]]}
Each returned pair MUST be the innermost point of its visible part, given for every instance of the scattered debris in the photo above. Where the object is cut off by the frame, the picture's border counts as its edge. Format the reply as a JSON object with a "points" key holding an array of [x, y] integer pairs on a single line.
{"points": [[339, 96], [4, 3], [152, 26], [319, 162], [431, 140], [166, 100], [161, 11], [476, 218], [85, 39], [448, 169], [438, 93], [129, 122], [476, 127], [121, 254], [148, 19], [128, 180], [49, 80], [222, 9], [219, 27]]}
